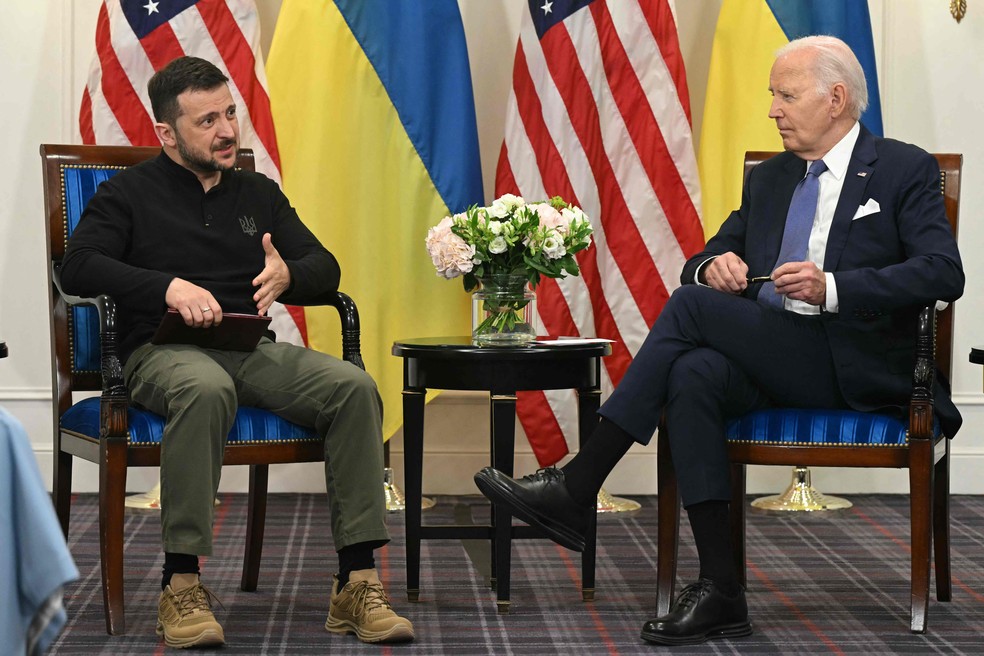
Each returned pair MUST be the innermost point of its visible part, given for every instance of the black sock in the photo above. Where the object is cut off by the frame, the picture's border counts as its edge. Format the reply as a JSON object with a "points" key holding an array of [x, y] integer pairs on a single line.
{"points": [[355, 557], [712, 535], [586, 472], [178, 563]]}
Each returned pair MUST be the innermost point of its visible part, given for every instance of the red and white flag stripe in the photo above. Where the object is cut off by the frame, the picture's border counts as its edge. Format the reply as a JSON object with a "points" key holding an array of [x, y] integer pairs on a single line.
{"points": [[116, 109], [599, 114]]}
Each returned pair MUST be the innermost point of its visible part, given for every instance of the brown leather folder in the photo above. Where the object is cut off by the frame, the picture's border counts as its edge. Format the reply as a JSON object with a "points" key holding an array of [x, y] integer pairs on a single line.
{"points": [[237, 332]]}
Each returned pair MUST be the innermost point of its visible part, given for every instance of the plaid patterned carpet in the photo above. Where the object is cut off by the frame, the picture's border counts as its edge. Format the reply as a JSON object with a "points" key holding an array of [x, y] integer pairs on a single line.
{"points": [[819, 584]]}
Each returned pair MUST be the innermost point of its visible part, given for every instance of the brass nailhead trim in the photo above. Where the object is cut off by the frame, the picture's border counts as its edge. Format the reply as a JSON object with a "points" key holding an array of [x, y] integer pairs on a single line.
{"points": [[130, 442], [233, 444], [846, 444]]}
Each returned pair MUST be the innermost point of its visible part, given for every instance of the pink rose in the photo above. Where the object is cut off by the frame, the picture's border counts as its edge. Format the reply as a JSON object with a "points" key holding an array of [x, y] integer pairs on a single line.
{"points": [[550, 218]]}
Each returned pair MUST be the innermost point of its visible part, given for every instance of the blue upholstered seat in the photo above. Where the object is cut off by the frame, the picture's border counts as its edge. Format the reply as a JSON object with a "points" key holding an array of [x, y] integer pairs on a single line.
{"points": [[794, 427], [252, 425]]}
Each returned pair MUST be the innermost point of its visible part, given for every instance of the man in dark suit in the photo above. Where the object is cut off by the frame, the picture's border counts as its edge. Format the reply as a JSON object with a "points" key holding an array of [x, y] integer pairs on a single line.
{"points": [[849, 233]]}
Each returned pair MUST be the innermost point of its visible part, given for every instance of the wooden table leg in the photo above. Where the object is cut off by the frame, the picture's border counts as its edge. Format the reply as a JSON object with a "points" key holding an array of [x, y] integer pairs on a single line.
{"points": [[503, 427], [493, 577], [413, 464], [588, 402]]}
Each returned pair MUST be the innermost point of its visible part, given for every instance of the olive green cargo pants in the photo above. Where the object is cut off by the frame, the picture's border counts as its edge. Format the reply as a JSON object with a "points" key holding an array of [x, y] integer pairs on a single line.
{"points": [[198, 390]]}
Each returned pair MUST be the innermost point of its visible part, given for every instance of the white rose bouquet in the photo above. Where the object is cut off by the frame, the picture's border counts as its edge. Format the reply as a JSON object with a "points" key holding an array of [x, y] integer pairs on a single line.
{"points": [[510, 241], [510, 237]]}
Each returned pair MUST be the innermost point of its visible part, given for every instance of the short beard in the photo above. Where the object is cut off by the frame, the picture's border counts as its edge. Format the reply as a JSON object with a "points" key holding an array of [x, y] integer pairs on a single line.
{"points": [[198, 162]]}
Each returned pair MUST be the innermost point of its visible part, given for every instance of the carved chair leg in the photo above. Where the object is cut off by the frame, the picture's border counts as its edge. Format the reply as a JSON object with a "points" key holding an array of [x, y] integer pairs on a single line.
{"points": [[941, 525], [61, 487], [255, 523], [737, 510], [921, 510], [112, 492], [668, 525]]}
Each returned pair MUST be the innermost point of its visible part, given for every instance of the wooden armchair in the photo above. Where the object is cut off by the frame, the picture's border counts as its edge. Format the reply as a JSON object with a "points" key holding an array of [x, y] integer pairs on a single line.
{"points": [[783, 436], [106, 430]]}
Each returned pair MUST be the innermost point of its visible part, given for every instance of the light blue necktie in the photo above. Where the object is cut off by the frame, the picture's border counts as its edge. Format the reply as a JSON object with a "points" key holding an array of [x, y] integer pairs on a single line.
{"points": [[799, 224]]}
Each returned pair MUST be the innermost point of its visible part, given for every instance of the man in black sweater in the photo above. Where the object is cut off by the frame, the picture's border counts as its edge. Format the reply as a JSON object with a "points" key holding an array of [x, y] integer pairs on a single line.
{"points": [[187, 231]]}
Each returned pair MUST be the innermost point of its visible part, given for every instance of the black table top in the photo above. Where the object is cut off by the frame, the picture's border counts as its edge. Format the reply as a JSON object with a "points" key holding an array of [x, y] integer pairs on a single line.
{"points": [[977, 355], [462, 348]]}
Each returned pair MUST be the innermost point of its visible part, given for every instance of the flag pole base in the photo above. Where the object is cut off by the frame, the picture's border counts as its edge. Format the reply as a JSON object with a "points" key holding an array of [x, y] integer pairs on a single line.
{"points": [[801, 496], [609, 504], [149, 500], [395, 499]]}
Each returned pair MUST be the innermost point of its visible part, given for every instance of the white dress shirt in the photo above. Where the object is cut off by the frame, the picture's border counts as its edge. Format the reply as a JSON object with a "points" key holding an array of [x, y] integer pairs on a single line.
{"points": [[831, 183]]}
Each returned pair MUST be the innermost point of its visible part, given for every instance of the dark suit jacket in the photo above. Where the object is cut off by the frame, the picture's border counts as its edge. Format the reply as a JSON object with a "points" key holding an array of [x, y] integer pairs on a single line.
{"points": [[886, 265]]}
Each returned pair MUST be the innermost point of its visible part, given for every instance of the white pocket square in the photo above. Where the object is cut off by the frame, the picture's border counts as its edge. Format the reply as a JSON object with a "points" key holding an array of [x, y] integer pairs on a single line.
{"points": [[870, 207]]}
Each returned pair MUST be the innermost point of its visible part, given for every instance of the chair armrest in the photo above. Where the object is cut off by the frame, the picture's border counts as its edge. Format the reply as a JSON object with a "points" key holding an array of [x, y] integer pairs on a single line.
{"points": [[112, 371], [348, 314], [924, 376], [114, 399]]}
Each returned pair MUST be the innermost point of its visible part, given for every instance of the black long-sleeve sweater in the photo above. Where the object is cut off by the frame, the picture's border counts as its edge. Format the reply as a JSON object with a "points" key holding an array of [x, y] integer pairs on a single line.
{"points": [[154, 222]]}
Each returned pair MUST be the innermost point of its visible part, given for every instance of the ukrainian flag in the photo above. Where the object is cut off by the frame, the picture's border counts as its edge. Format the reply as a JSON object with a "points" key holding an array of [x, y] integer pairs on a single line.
{"points": [[375, 119], [736, 108]]}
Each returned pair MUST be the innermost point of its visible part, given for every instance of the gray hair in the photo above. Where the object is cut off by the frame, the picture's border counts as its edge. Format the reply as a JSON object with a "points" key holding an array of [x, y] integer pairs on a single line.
{"points": [[834, 62]]}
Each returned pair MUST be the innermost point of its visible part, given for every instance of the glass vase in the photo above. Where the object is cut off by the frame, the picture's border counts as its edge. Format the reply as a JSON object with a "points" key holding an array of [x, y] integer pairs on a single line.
{"points": [[503, 311]]}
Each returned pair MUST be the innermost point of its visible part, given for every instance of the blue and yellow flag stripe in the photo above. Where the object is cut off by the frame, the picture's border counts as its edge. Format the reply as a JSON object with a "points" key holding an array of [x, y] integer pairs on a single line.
{"points": [[421, 59], [375, 118]]}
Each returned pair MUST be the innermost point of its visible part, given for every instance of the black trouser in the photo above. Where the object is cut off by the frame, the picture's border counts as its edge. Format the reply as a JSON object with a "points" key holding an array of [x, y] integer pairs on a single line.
{"points": [[711, 357]]}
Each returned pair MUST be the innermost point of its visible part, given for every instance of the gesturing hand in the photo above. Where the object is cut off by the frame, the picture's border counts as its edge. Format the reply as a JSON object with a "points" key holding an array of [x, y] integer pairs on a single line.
{"points": [[197, 306], [273, 279]]}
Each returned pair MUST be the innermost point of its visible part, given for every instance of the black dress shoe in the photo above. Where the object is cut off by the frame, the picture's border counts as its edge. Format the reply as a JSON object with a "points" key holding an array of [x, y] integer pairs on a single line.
{"points": [[541, 500], [700, 613]]}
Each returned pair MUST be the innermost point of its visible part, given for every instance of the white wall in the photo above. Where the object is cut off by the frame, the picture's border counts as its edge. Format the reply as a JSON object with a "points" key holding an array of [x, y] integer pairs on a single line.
{"points": [[930, 73]]}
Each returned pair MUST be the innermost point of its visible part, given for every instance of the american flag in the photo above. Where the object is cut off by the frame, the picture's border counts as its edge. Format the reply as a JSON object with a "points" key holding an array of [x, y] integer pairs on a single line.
{"points": [[599, 114], [135, 38]]}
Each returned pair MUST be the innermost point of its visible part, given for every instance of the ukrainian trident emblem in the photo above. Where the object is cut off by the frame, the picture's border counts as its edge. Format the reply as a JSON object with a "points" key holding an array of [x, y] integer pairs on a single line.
{"points": [[248, 225]]}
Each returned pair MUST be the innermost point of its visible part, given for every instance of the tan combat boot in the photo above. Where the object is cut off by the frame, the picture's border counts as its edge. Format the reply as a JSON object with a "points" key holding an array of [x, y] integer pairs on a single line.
{"points": [[361, 607], [184, 614]]}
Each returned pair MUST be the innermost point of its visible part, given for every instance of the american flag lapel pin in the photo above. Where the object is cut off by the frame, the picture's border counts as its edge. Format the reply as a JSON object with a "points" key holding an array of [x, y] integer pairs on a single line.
{"points": [[862, 174]]}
